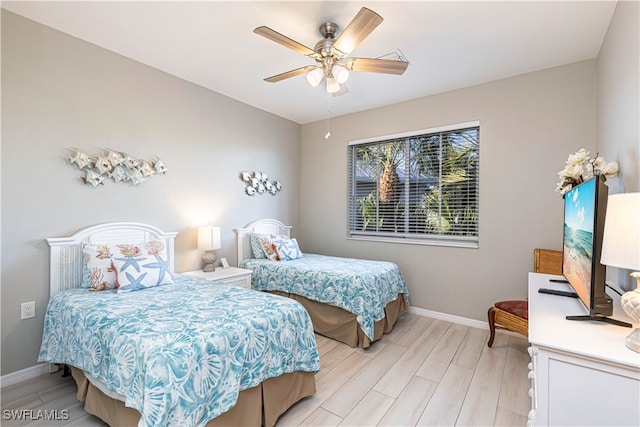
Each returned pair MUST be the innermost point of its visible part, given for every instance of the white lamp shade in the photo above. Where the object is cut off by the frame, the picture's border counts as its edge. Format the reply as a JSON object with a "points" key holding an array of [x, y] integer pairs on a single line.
{"points": [[621, 241], [332, 85], [209, 238], [314, 77], [340, 73]]}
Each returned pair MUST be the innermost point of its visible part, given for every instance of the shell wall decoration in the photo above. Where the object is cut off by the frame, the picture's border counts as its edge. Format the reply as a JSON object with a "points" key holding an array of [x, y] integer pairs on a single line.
{"points": [[114, 165], [258, 183]]}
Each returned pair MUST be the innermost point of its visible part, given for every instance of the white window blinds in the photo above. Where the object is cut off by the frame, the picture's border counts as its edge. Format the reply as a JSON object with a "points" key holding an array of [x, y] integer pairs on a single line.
{"points": [[420, 187]]}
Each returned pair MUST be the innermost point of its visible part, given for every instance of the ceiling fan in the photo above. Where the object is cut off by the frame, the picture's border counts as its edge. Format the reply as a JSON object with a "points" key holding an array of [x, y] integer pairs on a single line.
{"points": [[332, 54]]}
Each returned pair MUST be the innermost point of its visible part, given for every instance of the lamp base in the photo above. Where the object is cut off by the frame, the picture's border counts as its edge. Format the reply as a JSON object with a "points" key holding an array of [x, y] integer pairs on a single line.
{"points": [[633, 340], [208, 259], [630, 302]]}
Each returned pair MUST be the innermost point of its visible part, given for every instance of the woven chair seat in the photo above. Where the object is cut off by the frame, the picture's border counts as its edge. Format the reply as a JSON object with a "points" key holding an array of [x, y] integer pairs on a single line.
{"points": [[514, 314], [516, 308], [510, 315]]}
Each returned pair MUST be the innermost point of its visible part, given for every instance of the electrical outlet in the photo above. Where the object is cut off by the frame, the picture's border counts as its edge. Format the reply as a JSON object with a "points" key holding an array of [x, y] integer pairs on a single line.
{"points": [[27, 310]]}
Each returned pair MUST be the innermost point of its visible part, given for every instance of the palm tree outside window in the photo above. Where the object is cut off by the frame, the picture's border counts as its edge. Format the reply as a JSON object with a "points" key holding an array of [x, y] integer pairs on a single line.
{"points": [[419, 187]]}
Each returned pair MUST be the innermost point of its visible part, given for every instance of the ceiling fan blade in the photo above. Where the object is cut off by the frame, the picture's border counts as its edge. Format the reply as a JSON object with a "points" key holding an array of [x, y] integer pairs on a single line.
{"points": [[285, 41], [360, 27], [371, 65], [288, 74]]}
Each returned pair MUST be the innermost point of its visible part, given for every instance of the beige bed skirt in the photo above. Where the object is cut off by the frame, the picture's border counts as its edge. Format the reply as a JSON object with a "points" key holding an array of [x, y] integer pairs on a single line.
{"points": [[339, 324], [260, 405]]}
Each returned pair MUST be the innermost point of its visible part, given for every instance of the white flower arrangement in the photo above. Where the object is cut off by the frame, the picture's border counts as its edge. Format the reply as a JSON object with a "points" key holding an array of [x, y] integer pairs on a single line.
{"points": [[580, 168]]}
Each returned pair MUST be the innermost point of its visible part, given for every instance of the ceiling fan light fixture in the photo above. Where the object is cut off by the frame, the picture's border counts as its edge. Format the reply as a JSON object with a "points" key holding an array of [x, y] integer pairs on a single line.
{"points": [[332, 85], [340, 73], [315, 76]]}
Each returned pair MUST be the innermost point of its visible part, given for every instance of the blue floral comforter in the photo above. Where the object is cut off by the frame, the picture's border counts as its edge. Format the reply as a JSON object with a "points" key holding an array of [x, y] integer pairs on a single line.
{"points": [[362, 287], [179, 353]]}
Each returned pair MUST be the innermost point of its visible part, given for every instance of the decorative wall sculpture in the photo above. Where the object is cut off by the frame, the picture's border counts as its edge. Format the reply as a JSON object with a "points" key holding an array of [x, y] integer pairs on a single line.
{"points": [[258, 183], [114, 165]]}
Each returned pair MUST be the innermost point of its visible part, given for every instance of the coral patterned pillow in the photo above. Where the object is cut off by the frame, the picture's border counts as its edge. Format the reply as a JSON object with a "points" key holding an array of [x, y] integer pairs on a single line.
{"points": [[266, 241], [98, 274]]}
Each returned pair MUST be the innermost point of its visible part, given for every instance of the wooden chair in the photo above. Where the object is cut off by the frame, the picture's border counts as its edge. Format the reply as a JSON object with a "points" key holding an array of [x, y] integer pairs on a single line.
{"points": [[513, 315]]}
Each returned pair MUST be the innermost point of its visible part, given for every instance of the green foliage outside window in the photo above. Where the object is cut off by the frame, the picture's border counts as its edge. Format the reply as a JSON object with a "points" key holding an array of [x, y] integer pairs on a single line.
{"points": [[423, 186]]}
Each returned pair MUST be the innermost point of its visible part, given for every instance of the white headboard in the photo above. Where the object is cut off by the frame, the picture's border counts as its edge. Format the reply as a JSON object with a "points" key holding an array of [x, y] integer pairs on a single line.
{"points": [[261, 226], [66, 252]]}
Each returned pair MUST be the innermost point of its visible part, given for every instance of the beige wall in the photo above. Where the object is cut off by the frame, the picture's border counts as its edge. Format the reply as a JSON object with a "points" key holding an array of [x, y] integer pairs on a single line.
{"points": [[60, 92], [618, 130], [618, 106], [528, 126]]}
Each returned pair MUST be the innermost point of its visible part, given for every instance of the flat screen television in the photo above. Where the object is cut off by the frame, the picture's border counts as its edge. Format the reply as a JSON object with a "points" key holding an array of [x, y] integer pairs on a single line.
{"points": [[584, 212]]}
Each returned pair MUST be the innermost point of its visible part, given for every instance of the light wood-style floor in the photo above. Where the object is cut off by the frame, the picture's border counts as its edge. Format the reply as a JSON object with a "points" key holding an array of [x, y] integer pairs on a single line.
{"points": [[426, 372]]}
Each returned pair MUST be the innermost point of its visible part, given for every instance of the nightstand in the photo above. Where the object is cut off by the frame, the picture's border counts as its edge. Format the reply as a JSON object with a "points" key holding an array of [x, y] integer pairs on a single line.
{"points": [[233, 276]]}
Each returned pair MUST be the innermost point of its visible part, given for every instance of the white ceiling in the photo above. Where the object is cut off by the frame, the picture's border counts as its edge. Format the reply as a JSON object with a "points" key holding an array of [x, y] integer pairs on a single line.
{"points": [[449, 44]]}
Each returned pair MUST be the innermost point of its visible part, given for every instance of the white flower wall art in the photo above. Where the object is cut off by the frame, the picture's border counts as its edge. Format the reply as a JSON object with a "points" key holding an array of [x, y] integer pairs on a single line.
{"points": [[258, 183], [114, 165]]}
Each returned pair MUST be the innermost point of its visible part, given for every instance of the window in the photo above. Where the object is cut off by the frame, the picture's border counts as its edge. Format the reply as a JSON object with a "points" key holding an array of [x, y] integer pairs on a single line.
{"points": [[418, 187]]}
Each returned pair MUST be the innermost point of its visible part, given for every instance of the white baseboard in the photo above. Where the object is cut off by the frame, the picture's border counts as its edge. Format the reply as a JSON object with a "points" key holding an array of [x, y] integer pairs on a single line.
{"points": [[24, 374], [449, 318]]}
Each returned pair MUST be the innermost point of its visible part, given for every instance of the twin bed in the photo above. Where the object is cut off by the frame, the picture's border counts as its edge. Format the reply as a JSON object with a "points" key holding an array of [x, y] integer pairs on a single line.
{"points": [[353, 301], [183, 351]]}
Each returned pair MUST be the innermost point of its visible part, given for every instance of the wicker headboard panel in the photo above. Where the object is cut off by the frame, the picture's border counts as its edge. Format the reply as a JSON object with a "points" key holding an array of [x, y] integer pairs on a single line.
{"points": [[66, 252], [261, 226]]}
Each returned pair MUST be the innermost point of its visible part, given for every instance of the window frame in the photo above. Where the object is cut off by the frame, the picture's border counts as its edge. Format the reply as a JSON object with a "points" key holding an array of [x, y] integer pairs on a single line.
{"points": [[411, 237]]}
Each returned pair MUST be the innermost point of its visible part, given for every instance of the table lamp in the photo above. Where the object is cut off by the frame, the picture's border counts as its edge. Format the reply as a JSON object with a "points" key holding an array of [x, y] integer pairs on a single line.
{"points": [[209, 241], [621, 248]]}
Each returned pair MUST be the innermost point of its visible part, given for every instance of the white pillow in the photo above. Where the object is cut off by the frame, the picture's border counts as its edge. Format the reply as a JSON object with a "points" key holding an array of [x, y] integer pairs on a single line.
{"points": [[266, 241], [287, 249], [98, 275], [102, 260], [262, 245]]}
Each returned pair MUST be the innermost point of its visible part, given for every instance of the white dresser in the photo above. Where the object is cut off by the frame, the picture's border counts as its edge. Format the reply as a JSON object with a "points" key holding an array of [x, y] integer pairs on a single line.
{"points": [[581, 372]]}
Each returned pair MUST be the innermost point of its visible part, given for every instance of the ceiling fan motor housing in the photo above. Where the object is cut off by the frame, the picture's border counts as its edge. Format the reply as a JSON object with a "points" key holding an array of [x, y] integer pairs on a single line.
{"points": [[328, 30], [323, 47]]}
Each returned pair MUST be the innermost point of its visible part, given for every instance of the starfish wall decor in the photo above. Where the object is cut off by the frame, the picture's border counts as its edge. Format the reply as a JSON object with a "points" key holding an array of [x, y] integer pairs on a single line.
{"points": [[114, 165]]}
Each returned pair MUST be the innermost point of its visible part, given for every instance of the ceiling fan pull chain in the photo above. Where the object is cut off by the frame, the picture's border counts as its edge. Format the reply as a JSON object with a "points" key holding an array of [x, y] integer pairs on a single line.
{"points": [[327, 123]]}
